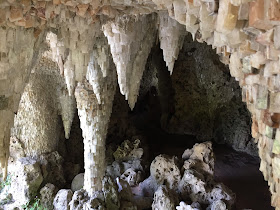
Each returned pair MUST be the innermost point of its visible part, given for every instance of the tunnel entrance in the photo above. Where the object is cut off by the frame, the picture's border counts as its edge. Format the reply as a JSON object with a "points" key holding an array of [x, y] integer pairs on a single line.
{"points": [[199, 102]]}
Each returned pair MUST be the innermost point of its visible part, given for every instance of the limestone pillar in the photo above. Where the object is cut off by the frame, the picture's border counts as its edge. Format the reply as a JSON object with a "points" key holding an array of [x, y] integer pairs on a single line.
{"points": [[18, 51], [95, 97]]}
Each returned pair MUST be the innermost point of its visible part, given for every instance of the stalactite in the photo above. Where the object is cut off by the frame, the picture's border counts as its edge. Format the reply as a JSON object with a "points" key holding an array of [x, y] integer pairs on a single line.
{"points": [[171, 36], [130, 39], [95, 115]]}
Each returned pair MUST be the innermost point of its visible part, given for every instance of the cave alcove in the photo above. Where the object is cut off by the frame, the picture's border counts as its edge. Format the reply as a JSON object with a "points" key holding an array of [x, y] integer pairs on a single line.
{"points": [[199, 102]]}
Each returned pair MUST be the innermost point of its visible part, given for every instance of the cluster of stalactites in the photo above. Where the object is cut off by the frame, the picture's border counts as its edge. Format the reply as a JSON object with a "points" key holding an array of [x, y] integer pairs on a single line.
{"points": [[171, 36], [130, 39]]}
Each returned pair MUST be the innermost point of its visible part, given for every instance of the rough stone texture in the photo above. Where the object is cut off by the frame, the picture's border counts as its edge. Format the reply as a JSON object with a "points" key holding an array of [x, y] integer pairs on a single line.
{"points": [[240, 36], [198, 182], [163, 199], [52, 169], [111, 194], [19, 52], [117, 168], [220, 114], [79, 199], [78, 182], [200, 157], [165, 171], [184, 206], [26, 180], [131, 176], [62, 199], [37, 123], [128, 150], [47, 195]]}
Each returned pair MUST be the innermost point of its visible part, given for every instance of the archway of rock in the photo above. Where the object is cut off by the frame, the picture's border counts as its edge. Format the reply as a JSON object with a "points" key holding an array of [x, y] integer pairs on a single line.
{"points": [[245, 40], [199, 102]]}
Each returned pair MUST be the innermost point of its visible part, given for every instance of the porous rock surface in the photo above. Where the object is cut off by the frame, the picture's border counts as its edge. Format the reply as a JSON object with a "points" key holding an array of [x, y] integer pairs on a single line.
{"points": [[165, 171], [47, 195], [62, 199], [244, 33]]}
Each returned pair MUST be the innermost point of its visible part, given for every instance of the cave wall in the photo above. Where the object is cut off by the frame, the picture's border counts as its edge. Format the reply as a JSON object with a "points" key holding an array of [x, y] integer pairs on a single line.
{"points": [[207, 100], [44, 103]]}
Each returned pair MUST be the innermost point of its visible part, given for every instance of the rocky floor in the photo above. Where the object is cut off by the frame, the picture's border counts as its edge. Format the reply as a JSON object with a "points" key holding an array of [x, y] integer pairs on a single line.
{"points": [[240, 172], [237, 170]]}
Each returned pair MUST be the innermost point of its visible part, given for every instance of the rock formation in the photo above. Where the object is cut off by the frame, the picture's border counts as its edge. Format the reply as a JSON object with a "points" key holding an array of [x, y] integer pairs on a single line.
{"points": [[244, 33]]}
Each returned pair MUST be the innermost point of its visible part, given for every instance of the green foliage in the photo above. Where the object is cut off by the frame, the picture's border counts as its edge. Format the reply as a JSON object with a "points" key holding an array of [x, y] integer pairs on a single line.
{"points": [[5, 183], [35, 204]]}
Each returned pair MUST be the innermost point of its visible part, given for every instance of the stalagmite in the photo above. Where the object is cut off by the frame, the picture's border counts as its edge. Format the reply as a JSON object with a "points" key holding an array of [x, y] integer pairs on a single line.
{"points": [[18, 51], [243, 32], [94, 117], [171, 36], [130, 39]]}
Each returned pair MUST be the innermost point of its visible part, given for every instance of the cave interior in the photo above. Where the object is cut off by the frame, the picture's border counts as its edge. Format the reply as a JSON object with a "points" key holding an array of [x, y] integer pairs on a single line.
{"points": [[146, 104]]}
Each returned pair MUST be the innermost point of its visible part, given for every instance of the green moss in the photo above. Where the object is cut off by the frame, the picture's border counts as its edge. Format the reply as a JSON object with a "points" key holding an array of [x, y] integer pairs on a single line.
{"points": [[34, 204]]}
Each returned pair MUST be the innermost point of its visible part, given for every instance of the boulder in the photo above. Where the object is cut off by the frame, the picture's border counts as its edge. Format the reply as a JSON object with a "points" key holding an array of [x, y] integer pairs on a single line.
{"points": [[26, 180], [47, 195], [217, 205], [128, 149], [132, 177], [163, 199], [52, 169], [79, 200], [78, 182], [62, 199], [165, 170], [184, 206], [111, 194]]}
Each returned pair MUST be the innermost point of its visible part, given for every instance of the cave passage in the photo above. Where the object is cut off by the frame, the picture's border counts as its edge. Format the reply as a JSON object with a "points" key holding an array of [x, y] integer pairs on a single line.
{"points": [[174, 113]]}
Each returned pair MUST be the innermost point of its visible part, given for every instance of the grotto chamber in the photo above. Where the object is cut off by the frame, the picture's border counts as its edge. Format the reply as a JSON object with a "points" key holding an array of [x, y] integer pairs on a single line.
{"points": [[139, 104]]}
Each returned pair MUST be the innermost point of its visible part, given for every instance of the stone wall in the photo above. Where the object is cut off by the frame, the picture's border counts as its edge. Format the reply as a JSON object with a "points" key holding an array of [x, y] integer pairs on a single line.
{"points": [[207, 100]]}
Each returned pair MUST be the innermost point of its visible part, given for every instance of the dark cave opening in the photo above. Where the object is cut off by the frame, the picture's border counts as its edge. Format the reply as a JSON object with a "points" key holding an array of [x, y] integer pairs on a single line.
{"points": [[173, 113]]}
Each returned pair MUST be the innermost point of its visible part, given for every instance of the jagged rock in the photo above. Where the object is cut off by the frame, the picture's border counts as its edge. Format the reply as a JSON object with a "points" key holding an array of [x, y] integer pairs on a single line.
{"points": [[200, 157], [119, 167], [198, 182], [79, 199], [26, 180], [111, 194], [165, 171], [217, 205], [62, 200], [184, 206], [47, 195], [128, 150], [95, 204], [132, 177], [163, 199], [78, 182], [124, 190]]}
